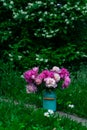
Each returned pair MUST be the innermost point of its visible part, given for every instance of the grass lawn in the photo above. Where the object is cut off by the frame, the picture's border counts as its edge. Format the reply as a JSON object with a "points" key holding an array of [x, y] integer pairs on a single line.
{"points": [[17, 116]]}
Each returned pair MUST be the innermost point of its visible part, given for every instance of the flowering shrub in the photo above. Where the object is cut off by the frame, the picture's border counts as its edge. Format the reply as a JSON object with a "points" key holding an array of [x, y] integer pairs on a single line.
{"points": [[49, 77], [61, 16]]}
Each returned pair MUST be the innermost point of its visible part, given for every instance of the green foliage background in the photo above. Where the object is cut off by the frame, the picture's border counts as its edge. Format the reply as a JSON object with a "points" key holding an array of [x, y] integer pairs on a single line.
{"points": [[43, 33]]}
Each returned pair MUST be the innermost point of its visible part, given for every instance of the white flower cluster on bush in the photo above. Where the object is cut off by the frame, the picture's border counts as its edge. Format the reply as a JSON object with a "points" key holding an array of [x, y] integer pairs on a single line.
{"points": [[40, 59], [51, 17]]}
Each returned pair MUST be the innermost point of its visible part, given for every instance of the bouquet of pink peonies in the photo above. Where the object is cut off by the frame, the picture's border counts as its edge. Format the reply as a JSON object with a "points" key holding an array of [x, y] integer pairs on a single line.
{"points": [[50, 78]]}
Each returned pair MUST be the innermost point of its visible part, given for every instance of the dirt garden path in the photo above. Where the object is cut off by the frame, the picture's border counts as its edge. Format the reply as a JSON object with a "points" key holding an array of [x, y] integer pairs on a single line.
{"points": [[83, 121]]}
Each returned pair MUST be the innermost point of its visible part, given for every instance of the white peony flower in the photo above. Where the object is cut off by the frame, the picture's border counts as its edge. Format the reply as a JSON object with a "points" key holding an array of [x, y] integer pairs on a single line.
{"points": [[50, 82]]}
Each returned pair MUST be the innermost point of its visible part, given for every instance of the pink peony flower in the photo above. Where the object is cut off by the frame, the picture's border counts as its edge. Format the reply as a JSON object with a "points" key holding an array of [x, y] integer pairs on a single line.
{"points": [[56, 69], [66, 82], [63, 73], [41, 75], [49, 77], [47, 73], [56, 77], [31, 88], [38, 81], [30, 75], [27, 76], [50, 83], [36, 69]]}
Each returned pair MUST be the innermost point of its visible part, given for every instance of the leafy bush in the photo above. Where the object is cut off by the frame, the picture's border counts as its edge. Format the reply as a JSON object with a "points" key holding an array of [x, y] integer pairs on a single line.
{"points": [[29, 27], [61, 16], [24, 59]]}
